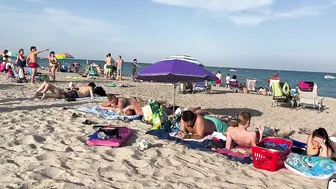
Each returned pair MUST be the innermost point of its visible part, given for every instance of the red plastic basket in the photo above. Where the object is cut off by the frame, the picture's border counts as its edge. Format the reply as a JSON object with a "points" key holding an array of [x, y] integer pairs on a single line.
{"points": [[269, 159]]}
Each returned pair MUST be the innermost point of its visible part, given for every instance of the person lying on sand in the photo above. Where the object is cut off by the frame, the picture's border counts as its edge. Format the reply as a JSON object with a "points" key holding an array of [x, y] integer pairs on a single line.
{"points": [[196, 126], [238, 135], [73, 92], [319, 144], [123, 104]]}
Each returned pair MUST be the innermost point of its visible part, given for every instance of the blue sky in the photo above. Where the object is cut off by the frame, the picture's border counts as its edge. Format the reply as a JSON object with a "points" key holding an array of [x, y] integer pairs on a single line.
{"points": [[275, 34]]}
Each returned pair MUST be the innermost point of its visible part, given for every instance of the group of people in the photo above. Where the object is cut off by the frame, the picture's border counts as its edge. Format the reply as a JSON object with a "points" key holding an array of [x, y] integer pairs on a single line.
{"points": [[114, 69], [219, 81]]}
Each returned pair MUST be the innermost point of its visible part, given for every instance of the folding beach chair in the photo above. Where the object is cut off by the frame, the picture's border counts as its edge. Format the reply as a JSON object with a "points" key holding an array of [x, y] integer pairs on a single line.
{"points": [[202, 86], [282, 94], [309, 97], [251, 84]]}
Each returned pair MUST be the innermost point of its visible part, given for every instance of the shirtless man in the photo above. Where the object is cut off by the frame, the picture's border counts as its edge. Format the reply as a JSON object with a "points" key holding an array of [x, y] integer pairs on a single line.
{"points": [[239, 135], [73, 92], [53, 63], [122, 104], [120, 63], [109, 63], [33, 61], [196, 126]]}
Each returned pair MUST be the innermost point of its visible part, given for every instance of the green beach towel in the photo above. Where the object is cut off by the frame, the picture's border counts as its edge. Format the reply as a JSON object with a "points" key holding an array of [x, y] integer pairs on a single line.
{"points": [[111, 85], [276, 89]]}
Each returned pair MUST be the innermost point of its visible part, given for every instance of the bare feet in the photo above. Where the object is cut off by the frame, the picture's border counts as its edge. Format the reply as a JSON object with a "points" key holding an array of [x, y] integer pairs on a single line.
{"points": [[287, 132], [44, 94]]}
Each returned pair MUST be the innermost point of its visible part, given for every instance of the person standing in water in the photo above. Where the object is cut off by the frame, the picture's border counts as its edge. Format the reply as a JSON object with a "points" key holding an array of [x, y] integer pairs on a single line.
{"points": [[120, 65], [33, 62], [53, 63], [134, 68]]}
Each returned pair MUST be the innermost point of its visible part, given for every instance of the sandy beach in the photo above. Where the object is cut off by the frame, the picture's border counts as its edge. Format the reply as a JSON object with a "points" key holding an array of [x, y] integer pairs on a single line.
{"points": [[42, 147]]}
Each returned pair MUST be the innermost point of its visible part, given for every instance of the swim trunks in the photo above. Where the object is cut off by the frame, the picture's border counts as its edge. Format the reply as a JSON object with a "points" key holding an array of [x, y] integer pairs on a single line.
{"points": [[71, 94], [33, 65], [218, 82], [119, 70], [220, 125], [109, 68]]}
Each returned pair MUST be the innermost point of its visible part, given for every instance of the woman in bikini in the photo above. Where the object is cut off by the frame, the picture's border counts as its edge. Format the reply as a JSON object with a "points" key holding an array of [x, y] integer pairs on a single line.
{"points": [[53, 63], [122, 104]]}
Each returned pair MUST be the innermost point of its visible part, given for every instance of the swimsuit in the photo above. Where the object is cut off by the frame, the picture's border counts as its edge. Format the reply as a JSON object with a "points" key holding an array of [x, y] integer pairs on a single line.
{"points": [[220, 126], [71, 94], [33, 65], [109, 68], [21, 63]]}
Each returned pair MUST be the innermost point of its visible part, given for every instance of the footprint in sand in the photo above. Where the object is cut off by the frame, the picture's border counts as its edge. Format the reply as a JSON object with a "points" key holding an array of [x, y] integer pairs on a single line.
{"points": [[53, 173]]}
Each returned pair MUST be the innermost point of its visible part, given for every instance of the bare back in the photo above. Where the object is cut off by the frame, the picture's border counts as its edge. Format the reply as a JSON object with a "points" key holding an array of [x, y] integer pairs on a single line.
{"points": [[33, 57], [120, 63], [202, 127], [242, 137], [109, 60], [84, 91]]}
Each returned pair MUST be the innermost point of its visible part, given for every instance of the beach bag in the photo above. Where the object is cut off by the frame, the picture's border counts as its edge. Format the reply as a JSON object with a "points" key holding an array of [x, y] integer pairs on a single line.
{"points": [[148, 110], [306, 86]]}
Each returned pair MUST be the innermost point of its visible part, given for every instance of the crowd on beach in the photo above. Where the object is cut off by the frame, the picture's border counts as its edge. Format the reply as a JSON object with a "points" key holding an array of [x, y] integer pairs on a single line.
{"points": [[196, 123]]}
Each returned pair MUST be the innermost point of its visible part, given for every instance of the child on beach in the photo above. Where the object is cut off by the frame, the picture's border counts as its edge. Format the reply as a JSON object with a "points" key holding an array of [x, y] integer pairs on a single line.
{"points": [[239, 135], [33, 61]]}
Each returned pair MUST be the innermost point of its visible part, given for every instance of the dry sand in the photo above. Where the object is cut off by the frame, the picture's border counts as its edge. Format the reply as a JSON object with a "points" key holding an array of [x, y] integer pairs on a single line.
{"points": [[41, 147]]}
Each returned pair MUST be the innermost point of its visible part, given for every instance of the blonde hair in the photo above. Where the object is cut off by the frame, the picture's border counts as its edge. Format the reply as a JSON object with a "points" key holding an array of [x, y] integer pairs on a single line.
{"points": [[243, 118]]}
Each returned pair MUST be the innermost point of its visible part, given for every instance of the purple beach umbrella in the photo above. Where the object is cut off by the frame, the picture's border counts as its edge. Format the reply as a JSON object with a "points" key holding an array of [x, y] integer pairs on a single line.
{"points": [[174, 71]]}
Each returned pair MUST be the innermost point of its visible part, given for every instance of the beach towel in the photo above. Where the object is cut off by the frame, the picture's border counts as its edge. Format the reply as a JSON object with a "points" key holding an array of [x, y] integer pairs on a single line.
{"points": [[107, 114], [202, 144], [89, 98]]}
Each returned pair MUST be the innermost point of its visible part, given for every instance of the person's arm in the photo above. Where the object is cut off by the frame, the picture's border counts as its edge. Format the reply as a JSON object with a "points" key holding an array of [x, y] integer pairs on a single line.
{"points": [[27, 58], [137, 65], [41, 51], [182, 133], [17, 59], [261, 132], [310, 148], [324, 150], [228, 143], [121, 105], [91, 92], [200, 128]]}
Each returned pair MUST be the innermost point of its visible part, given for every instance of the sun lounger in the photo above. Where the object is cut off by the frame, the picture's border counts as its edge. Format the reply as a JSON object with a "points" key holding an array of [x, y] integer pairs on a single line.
{"points": [[251, 84], [309, 98], [235, 86]]}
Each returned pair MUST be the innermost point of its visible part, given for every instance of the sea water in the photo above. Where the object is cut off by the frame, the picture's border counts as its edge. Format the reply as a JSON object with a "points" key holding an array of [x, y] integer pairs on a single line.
{"points": [[326, 87]]}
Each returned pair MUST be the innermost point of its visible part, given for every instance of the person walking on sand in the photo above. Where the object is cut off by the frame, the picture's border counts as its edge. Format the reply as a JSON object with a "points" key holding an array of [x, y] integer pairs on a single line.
{"points": [[134, 68], [108, 65], [120, 65], [53, 63], [33, 62], [219, 81]]}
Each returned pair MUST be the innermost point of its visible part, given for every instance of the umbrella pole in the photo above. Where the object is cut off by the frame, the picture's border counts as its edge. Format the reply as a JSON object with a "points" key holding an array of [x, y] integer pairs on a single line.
{"points": [[174, 98]]}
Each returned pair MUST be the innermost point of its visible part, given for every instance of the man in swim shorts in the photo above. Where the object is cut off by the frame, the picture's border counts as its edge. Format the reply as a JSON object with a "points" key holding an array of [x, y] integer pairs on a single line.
{"points": [[33, 61], [196, 126], [108, 66], [120, 65]]}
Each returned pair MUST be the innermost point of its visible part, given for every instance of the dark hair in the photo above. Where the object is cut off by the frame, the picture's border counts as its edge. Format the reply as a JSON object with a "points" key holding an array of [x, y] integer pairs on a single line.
{"points": [[188, 116], [91, 84], [218, 71], [32, 48], [110, 96], [228, 74], [52, 52], [322, 133], [20, 50], [135, 60], [130, 112], [234, 77], [119, 56], [5, 51], [109, 54], [243, 117], [99, 91]]}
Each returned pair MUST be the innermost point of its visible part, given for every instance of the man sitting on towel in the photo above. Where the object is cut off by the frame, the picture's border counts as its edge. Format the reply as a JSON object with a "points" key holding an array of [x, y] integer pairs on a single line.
{"points": [[196, 126]]}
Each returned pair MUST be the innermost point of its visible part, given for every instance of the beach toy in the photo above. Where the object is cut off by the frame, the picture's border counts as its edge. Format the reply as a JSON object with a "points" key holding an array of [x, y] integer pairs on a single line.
{"points": [[143, 144], [310, 166], [111, 85], [103, 139]]}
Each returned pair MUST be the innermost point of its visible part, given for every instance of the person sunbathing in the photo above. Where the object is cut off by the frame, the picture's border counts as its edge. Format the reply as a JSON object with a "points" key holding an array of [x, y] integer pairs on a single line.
{"points": [[318, 144], [196, 126], [123, 104], [71, 92], [238, 135]]}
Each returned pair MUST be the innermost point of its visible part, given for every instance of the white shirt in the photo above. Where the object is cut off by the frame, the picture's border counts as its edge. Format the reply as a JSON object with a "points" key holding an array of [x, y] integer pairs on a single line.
{"points": [[227, 79], [219, 76]]}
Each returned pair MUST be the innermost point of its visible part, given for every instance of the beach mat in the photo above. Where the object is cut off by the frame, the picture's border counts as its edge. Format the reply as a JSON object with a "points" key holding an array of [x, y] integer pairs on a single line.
{"points": [[107, 114], [205, 145]]}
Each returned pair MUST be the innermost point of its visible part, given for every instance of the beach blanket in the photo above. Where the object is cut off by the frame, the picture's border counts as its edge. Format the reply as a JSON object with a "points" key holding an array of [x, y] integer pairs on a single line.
{"points": [[89, 98], [107, 114], [202, 144]]}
